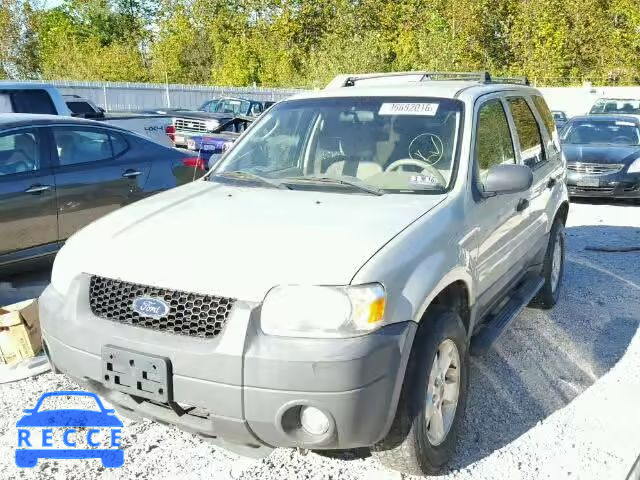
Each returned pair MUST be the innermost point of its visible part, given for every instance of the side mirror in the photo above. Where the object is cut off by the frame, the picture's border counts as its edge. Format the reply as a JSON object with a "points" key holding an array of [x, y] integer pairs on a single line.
{"points": [[503, 179]]}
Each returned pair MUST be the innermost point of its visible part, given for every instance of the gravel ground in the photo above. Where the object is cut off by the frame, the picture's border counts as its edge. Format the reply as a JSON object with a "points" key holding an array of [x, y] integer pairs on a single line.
{"points": [[556, 398]]}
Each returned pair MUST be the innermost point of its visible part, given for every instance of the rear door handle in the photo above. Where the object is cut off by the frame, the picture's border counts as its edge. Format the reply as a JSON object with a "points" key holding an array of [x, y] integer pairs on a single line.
{"points": [[131, 173], [522, 205], [35, 189], [551, 183]]}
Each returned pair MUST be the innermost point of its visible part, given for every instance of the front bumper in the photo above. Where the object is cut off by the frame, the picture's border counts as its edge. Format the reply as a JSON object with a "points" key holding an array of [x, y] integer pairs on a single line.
{"points": [[615, 185], [244, 384]]}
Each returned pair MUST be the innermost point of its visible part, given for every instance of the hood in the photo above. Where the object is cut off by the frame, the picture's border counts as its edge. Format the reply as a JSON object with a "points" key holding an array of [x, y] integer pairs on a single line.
{"points": [[600, 153], [196, 114], [240, 242]]}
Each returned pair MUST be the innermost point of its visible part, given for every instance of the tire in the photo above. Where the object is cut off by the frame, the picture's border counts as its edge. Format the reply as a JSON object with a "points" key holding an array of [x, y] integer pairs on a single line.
{"points": [[408, 447], [550, 292]]}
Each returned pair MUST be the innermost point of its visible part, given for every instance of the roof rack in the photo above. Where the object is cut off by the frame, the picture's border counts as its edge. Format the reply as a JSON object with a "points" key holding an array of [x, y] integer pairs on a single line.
{"points": [[483, 77]]}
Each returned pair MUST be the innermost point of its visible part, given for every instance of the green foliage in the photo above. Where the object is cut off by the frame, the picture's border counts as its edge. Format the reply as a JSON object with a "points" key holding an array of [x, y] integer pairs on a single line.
{"points": [[307, 42]]}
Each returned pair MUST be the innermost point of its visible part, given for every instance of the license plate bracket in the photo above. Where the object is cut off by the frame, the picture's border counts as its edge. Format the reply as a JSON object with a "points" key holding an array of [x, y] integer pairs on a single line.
{"points": [[588, 182], [140, 374]]}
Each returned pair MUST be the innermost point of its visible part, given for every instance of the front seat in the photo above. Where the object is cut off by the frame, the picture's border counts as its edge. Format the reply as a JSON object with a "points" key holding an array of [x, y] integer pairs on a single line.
{"points": [[358, 147]]}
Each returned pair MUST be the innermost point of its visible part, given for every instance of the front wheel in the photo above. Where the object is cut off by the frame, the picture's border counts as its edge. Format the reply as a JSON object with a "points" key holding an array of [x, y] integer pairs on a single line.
{"points": [[422, 438]]}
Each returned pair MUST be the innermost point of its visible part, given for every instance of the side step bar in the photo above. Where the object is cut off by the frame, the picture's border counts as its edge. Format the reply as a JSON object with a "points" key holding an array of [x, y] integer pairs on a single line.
{"points": [[496, 323]]}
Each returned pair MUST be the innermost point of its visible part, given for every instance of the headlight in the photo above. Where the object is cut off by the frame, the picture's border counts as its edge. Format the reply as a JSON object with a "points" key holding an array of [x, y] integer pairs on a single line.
{"points": [[314, 311], [211, 124], [635, 166]]}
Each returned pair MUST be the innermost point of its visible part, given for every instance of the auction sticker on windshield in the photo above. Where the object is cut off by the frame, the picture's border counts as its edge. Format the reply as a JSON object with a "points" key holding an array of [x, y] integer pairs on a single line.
{"points": [[92, 431], [428, 109]]}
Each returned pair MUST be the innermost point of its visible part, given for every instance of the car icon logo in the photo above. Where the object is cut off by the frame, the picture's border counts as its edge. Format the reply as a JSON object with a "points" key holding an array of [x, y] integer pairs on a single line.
{"points": [[150, 307], [70, 421]]}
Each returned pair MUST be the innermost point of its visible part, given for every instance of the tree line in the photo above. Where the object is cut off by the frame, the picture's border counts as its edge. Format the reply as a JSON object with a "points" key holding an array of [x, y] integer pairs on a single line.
{"points": [[304, 43]]}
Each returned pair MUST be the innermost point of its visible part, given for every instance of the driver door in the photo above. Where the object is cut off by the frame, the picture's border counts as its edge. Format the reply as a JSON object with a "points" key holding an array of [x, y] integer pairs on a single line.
{"points": [[28, 216], [498, 221]]}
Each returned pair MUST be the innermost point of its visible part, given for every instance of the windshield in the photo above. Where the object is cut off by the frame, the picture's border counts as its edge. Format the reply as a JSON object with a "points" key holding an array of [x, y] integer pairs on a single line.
{"points": [[613, 132], [390, 144], [231, 105], [616, 106]]}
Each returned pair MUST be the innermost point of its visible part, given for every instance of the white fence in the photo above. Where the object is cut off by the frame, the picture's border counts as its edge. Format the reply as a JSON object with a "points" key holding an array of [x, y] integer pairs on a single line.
{"points": [[120, 96]]}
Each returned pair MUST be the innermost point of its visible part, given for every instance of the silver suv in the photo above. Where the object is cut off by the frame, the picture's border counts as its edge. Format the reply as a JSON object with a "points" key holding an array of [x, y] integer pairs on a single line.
{"points": [[363, 241]]}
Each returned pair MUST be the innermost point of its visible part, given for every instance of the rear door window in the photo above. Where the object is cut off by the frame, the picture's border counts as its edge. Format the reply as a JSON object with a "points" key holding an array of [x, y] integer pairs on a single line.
{"points": [[19, 152], [553, 145], [76, 145], [528, 130]]}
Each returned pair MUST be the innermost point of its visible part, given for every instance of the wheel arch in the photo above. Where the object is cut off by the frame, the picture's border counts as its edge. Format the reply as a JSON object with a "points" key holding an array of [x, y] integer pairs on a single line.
{"points": [[453, 292], [563, 212]]}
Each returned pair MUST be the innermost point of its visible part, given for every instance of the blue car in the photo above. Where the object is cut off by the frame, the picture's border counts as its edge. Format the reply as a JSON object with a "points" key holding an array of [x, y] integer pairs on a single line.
{"points": [[105, 418]]}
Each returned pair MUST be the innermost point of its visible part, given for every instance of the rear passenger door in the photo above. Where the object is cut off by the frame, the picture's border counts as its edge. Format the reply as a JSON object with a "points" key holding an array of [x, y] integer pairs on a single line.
{"points": [[538, 151], [96, 172], [28, 222]]}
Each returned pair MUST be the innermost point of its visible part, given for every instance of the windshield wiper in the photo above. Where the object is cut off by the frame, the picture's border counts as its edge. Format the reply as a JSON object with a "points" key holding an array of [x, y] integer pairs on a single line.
{"points": [[338, 181], [243, 175]]}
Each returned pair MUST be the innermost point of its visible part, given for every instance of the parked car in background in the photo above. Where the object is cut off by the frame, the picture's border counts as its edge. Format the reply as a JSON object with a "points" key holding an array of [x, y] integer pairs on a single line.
{"points": [[211, 117], [20, 97], [629, 106], [236, 106], [603, 155], [57, 174], [361, 241], [153, 125], [560, 118]]}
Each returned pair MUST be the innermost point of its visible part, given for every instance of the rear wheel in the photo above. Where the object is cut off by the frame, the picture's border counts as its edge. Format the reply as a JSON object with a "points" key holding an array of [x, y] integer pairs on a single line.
{"points": [[422, 438]]}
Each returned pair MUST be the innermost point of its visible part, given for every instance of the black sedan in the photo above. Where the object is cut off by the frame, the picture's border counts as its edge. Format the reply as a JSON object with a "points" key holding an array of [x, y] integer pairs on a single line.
{"points": [[57, 174], [603, 156]]}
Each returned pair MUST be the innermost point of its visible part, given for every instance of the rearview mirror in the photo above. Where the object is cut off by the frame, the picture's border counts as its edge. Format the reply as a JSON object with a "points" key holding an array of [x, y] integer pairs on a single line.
{"points": [[503, 179]]}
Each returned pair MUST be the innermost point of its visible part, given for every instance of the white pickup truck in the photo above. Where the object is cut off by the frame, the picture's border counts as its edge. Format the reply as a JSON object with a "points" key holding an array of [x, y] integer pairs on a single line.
{"points": [[19, 97]]}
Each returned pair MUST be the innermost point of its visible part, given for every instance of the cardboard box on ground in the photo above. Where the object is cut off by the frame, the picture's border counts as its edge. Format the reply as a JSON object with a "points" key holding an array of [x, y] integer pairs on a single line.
{"points": [[20, 335]]}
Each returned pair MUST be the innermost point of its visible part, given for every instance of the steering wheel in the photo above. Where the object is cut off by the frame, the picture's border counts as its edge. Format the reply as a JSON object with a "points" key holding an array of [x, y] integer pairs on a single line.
{"points": [[412, 162], [622, 140]]}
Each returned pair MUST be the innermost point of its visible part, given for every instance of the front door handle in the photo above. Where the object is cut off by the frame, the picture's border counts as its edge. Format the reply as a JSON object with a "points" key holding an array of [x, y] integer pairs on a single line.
{"points": [[551, 183], [37, 188], [522, 205], [131, 173]]}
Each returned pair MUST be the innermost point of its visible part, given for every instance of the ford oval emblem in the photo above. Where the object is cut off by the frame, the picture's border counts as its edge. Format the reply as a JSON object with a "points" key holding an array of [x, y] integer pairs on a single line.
{"points": [[150, 307]]}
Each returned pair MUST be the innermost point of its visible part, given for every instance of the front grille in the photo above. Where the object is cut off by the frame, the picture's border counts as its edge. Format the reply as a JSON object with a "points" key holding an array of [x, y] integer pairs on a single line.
{"points": [[185, 124], [189, 313], [591, 189], [595, 168]]}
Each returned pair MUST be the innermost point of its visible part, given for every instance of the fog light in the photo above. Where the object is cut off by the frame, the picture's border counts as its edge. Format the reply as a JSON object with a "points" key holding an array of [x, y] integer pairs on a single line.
{"points": [[314, 421]]}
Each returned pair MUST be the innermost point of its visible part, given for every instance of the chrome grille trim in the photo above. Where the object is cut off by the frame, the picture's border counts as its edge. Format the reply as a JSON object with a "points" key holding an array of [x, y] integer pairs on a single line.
{"points": [[595, 168]]}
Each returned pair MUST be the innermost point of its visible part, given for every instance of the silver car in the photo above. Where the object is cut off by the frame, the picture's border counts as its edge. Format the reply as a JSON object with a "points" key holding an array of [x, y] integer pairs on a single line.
{"points": [[364, 240]]}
